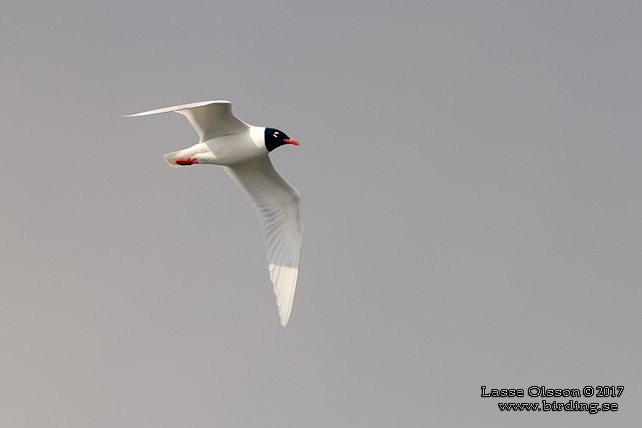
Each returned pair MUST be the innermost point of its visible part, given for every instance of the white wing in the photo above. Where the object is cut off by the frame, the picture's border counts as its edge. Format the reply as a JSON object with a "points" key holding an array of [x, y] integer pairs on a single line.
{"points": [[209, 118], [278, 206]]}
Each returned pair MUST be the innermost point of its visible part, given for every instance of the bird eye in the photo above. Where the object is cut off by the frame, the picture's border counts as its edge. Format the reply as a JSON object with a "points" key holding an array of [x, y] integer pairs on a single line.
{"points": [[276, 134]]}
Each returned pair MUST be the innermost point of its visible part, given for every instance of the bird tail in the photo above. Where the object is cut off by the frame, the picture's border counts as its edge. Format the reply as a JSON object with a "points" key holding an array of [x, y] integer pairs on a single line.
{"points": [[172, 157]]}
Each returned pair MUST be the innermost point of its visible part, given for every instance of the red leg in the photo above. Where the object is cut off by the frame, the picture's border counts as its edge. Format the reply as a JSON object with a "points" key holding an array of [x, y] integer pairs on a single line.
{"points": [[186, 161]]}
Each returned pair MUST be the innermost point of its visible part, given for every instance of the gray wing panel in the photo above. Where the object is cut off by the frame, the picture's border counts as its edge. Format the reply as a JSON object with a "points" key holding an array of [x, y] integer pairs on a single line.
{"points": [[279, 208], [209, 118]]}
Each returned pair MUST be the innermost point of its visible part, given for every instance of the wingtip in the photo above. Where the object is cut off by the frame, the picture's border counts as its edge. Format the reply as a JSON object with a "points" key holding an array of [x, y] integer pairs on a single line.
{"points": [[144, 113], [285, 315], [284, 321], [284, 279]]}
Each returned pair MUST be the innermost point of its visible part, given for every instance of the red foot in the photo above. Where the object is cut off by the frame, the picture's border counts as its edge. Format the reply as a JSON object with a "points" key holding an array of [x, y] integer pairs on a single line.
{"points": [[187, 161]]}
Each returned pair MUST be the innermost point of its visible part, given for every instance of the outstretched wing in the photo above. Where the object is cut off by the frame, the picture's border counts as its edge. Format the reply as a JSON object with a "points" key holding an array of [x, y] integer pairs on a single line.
{"points": [[279, 209], [209, 118]]}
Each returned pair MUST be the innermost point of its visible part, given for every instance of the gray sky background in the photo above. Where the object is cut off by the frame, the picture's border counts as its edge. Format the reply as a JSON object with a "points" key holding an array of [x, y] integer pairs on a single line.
{"points": [[470, 173]]}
